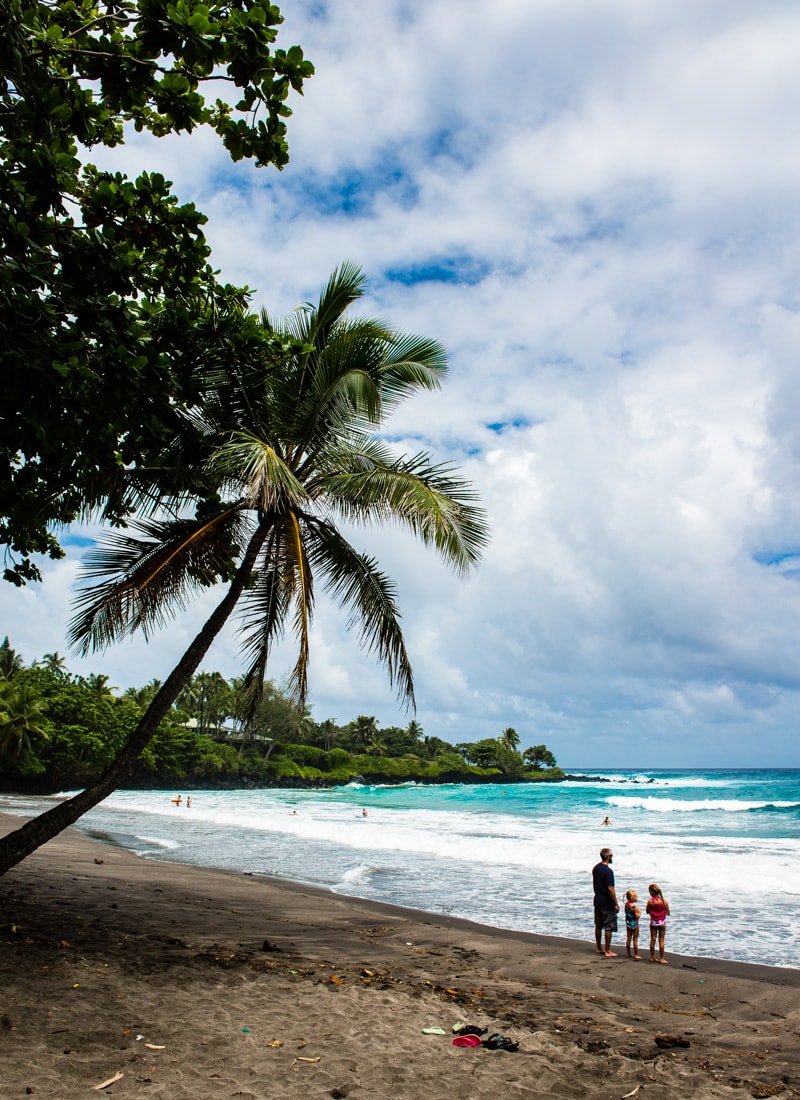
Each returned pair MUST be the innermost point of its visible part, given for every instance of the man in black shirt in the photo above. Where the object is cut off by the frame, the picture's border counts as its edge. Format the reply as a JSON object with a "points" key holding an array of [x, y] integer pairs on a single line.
{"points": [[606, 905]]}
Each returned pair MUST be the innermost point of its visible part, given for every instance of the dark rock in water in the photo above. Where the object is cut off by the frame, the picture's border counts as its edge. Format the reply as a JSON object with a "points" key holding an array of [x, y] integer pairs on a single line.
{"points": [[587, 779]]}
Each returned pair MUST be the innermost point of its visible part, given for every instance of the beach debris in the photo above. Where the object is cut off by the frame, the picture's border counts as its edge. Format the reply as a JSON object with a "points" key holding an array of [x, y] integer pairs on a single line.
{"points": [[275, 1043], [76, 985], [433, 1031], [139, 1038], [97, 860], [498, 1041], [628, 1095], [154, 1046], [246, 1030], [335, 980], [665, 1042], [267, 946], [110, 1081]]}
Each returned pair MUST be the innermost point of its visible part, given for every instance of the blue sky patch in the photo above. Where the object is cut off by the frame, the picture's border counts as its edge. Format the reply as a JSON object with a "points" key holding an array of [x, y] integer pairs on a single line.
{"points": [[785, 562], [353, 192], [462, 270], [503, 425]]}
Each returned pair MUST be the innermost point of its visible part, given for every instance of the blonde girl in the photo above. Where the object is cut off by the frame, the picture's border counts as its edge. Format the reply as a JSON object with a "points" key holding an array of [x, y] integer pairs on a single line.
{"points": [[658, 908], [632, 914]]}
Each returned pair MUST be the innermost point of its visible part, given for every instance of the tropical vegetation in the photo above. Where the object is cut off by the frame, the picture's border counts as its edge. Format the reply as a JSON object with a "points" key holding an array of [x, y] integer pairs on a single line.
{"points": [[59, 732], [107, 297]]}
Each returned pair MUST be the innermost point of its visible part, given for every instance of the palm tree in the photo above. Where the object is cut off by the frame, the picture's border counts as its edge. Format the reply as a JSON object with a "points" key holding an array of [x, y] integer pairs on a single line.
{"points": [[21, 712], [10, 660], [510, 738], [364, 729], [328, 731], [143, 696], [414, 730], [55, 663], [98, 683], [279, 449]]}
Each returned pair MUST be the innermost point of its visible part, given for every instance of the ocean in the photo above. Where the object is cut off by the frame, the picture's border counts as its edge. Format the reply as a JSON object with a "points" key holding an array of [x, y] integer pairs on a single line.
{"points": [[723, 845]]}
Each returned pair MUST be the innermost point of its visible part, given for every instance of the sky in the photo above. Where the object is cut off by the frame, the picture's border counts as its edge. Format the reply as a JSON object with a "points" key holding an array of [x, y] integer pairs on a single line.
{"points": [[593, 204]]}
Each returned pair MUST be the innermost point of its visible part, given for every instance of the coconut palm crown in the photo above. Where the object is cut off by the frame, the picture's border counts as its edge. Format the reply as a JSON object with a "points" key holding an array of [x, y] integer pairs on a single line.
{"points": [[290, 451]]}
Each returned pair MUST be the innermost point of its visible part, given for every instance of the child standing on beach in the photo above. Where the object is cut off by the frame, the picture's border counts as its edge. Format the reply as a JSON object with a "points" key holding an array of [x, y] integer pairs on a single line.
{"points": [[658, 908], [632, 914]]}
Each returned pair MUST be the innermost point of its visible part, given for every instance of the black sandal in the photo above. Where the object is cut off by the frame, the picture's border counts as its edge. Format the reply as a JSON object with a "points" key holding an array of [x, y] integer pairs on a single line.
{"points": [[500, 1042]]}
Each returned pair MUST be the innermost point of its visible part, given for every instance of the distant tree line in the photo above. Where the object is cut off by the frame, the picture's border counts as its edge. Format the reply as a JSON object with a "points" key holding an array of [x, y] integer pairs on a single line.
{"points": [[59, 731]]}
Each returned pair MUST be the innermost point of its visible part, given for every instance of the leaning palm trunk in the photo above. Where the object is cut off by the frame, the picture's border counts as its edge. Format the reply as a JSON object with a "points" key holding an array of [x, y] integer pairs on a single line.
{"points": [[16, 846]]}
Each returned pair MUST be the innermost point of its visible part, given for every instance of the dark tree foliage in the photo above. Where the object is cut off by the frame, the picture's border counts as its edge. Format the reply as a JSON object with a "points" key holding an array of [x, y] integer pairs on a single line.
{"points": [[539, 756], [107, 299]]}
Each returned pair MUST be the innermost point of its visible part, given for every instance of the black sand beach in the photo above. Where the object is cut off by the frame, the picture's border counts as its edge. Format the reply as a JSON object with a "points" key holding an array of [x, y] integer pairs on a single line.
{"points": [[201, 983]]}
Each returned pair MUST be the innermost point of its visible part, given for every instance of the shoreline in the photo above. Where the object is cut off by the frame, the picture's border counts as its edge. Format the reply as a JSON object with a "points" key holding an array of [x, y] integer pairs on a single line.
{"points": [[259, 987], [736, 968], [717, 964]]}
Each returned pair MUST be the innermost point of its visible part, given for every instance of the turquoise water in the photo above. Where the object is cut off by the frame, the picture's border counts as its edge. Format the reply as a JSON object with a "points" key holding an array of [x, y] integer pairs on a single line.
{"points": [[724, 846]]}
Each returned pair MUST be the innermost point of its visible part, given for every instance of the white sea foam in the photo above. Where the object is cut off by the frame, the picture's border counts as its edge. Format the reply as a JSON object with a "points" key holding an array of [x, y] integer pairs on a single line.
{"points": [[354, 878], [519, 857], [678, 805], [159, 842]]}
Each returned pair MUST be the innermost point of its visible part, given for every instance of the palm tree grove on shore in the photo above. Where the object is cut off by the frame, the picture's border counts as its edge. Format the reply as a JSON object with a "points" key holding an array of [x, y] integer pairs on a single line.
{"points": [[59, 731]]}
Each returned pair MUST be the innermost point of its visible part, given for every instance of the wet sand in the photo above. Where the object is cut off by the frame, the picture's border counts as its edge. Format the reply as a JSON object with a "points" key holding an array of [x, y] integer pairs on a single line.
{"points": [[207, 984]]}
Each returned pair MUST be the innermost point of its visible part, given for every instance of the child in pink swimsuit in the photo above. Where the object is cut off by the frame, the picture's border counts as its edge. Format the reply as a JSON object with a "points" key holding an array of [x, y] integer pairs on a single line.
{"points": [[658, 908]]}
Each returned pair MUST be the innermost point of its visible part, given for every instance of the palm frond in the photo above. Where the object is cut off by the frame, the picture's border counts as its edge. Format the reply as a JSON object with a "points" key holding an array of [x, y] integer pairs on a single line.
{"points": [[304, 606], [264, 478], [146, 574], [285, 586], [263, 615], [345, 286], [411, 363], [430, 501], [356, 583]]}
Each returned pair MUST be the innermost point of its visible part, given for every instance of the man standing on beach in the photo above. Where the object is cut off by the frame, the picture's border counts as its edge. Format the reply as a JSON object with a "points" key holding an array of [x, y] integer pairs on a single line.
{"points": [[606, 905]]}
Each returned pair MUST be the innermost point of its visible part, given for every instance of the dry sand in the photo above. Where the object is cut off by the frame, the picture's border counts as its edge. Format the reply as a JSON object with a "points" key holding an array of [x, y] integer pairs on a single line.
{"points": [[207, 984]]}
